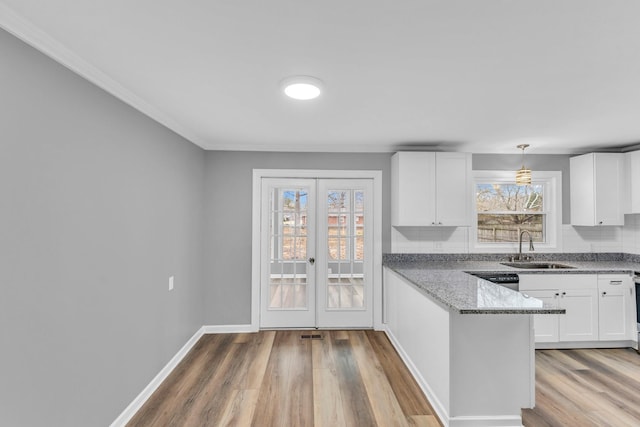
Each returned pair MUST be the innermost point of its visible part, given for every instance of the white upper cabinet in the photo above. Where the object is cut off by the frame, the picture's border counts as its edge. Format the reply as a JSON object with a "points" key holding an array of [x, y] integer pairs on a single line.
{"points": [[430, 189], [453, 187], [633, 172], [597, 189]]}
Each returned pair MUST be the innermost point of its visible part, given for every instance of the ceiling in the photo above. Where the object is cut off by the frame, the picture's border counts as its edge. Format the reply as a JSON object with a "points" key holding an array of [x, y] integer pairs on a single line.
{"points": [[459, 75]]}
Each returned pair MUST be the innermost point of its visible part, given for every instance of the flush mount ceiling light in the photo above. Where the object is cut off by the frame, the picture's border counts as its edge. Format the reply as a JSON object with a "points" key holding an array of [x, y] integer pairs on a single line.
{"points": [[302, 87], [523, 175]]}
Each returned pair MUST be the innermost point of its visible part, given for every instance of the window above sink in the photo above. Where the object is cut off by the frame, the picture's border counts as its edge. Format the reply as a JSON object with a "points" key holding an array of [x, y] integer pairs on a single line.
{"points": [[501, 210]]}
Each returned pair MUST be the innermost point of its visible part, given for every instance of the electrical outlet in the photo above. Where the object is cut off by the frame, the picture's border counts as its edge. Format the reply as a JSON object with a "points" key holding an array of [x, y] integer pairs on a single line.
{"points": [[170, 283]]}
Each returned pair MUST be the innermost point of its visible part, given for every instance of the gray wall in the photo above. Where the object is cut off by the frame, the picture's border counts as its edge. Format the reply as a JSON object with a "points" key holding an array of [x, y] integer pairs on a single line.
{"points": [[228, 220], [228, 213], [535, 162], [98, 206]]}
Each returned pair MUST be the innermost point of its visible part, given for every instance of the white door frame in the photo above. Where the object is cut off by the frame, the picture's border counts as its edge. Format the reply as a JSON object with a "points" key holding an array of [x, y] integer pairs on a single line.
{"points": [[376, 176]]}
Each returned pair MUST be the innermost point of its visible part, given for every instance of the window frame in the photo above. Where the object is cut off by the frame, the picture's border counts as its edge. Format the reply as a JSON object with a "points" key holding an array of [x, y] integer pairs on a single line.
{"points": [[552, 182]]}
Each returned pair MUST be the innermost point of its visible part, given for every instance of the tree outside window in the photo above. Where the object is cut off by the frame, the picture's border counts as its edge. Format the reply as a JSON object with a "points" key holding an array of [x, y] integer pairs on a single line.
{"points": [[504, 210]]}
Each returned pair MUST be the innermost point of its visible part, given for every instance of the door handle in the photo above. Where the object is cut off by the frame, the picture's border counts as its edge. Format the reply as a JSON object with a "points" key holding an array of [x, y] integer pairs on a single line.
{"points": [[312, 261]]}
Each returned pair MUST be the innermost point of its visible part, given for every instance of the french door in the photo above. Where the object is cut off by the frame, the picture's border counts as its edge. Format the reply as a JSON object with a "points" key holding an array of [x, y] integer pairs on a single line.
{"points": [[316, 253]]}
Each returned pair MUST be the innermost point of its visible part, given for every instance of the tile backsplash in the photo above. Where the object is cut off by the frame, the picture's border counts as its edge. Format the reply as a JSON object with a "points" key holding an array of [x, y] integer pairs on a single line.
{"points": [[430, 239], [574, 239], [631, 234], [591, 239]]}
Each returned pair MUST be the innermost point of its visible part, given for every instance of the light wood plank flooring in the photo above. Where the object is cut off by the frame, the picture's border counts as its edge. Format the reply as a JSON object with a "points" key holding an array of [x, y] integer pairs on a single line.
{"points": [[355, 378], [586, 388], [348, 378]]}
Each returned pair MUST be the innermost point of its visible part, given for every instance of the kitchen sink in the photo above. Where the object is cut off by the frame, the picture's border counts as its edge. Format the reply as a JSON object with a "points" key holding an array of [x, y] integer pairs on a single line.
{"points": [[536, 265]]}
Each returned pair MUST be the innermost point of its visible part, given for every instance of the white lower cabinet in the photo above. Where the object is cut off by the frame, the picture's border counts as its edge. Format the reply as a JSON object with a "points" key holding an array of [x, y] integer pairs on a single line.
{"points": [[599, 307], [546, 326], [616, 307], [579, 324], [475, 369], [576, 293], [581, 321]]}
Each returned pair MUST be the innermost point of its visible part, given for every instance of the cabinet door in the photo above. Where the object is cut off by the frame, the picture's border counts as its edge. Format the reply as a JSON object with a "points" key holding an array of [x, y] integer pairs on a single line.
{"points": [[453, 189], [413, 189], [633, 172], [616, 310], [580, 323], [632, 320], [609, 175], [596, 189], [613, 315], [546, 325], [581, 172]]}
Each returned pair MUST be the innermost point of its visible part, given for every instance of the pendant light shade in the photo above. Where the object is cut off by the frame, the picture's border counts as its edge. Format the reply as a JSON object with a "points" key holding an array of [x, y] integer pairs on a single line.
{"points": [[523, 175]]}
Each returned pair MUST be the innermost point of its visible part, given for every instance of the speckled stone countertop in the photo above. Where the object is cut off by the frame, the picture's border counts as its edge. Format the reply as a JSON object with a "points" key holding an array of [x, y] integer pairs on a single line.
{"points": [[444, 278]]}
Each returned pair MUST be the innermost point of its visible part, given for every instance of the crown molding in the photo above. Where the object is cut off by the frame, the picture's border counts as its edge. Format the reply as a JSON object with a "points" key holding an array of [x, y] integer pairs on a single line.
{"points": [[302, 148], [29, 33]]}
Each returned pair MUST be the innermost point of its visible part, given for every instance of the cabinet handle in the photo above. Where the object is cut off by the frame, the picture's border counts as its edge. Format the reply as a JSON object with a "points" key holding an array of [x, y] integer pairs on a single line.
{"points": [[433, 223], [439, 223], [557, 294], [604, 293], [600, 222], [615, 282], [564, 293]]}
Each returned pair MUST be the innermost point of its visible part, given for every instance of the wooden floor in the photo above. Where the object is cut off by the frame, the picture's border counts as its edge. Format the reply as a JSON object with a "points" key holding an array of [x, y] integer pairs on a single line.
{"points": [[586, 388], [348, 378], [355, 378]]}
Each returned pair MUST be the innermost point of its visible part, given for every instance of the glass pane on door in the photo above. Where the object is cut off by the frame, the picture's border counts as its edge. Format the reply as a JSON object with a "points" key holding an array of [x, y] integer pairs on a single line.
{"points": [[345, 239], [288, 217]]}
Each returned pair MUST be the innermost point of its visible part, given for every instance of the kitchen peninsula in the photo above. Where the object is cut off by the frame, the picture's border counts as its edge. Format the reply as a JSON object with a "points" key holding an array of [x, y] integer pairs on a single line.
{"points": [[469, 343]]}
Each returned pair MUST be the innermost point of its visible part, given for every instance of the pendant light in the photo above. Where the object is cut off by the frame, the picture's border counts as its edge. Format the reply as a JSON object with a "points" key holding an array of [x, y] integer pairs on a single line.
{"points": [[523, 175]]}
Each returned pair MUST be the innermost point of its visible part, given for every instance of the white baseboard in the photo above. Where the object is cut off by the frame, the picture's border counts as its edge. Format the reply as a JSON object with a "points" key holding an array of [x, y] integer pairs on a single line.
{"points": [[228, 329], [137, 403], [586, 344], [431, 397], [479, 421]]}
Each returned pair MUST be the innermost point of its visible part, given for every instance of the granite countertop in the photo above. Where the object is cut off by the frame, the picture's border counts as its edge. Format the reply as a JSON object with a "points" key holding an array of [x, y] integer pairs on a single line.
{"points": [[444, 278], [580, 267]]}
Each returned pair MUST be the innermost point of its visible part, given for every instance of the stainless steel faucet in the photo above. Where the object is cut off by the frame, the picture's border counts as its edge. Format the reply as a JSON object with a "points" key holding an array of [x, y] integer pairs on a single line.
{"points": [[531, 248]]}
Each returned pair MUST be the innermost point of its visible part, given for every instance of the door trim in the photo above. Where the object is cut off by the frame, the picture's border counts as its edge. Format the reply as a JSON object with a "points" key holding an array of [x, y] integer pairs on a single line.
{"points": [[375, 175]]}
